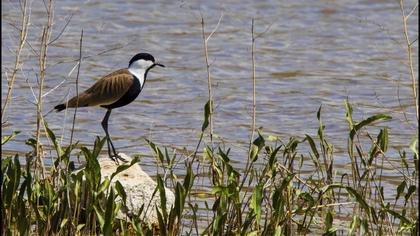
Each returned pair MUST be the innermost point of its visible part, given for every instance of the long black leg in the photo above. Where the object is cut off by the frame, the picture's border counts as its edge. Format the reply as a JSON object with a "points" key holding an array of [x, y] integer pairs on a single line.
{"points": [[105, 127], [108, 138]]}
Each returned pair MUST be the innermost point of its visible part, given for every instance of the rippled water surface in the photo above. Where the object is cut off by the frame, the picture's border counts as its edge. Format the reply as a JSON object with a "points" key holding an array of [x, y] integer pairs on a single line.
{"points": [[312, 53]]}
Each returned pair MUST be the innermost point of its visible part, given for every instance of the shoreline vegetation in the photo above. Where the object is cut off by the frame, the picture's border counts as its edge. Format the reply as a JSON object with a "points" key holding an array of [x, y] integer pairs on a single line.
{"points": [[270, 196]]}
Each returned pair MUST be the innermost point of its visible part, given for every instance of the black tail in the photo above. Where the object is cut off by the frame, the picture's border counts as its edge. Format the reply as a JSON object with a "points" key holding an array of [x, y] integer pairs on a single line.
{"points": [[60, 107]]}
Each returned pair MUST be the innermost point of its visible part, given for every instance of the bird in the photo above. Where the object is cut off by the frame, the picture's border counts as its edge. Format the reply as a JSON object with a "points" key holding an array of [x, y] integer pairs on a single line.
{"points": [[114, 90]]}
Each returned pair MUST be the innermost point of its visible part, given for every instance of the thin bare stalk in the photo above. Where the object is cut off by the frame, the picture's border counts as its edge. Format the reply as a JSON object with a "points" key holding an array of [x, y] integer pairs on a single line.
{"points": [[77, 87], [254, 103], [209, 83], [46, 33], [74, 214], [254, 98], [248, 164], [62, 30], [254, 81], [409, 54], [206, 55], [22, 39]]}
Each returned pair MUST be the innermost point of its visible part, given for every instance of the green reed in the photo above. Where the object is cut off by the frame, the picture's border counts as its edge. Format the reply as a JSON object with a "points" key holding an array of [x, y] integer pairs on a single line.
{"points": [[271, 197]]}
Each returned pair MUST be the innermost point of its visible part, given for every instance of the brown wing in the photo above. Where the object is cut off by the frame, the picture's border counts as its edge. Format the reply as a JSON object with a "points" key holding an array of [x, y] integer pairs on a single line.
{"points": [[106, 90]]}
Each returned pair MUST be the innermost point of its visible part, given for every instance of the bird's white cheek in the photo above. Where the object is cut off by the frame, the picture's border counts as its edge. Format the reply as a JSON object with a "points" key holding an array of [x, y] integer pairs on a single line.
{"points": [[142, 64]]}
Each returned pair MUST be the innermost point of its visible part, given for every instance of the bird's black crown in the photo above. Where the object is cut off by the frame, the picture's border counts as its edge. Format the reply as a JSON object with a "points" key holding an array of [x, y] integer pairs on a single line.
{"points": [[144, 56]]}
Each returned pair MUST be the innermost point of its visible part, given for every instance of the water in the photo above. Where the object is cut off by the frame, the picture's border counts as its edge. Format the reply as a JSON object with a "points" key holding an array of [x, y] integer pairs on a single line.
{"points": [[312, 53]]}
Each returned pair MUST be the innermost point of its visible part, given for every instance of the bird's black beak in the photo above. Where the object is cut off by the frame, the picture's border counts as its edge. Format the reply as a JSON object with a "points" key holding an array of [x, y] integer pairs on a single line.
{"points": [[158, 64]]}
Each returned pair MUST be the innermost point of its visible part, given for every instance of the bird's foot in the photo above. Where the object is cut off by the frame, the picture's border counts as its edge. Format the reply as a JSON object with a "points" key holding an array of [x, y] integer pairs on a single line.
{"points": [[115, 157]]}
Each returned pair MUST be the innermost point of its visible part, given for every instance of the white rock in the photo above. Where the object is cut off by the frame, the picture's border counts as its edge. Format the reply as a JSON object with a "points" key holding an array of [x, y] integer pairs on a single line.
{"points": [[139, 187]]}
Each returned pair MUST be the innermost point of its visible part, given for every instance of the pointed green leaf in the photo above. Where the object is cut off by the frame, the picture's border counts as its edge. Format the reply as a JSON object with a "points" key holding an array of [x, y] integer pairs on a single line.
{"points": [[53, 139], [359, 199], [349, 113], [109, 214], [253, 154], [206, 116], [104, 185], [125, 166], [80, 227], [383, 139], [256, 200], [121, 192], [7, 138], [100, 216], [355, 223], [410, 191], [400, 189], [368, 121], [413, 146], [312, 144], [162, 194]]}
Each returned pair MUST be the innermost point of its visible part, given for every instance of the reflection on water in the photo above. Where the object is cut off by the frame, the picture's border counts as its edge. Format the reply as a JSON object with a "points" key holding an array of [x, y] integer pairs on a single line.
{"points": [[314, 53]]}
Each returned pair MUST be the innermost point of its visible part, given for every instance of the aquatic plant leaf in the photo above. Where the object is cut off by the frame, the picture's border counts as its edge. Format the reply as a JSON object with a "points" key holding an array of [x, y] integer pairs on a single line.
{"points": [[97, 146], [11, 182], [162, 194], [259, 141], [206, 116], [109, 214], [125, 166], [400, 189], [179, 199], [383, 139], [100, 214], [413, 146], [104, 185], [80, 227], [121, 192], [189, 179], [162, 225], [349, 113], [273, 159], [355, 223], [7, 138], [256, 201], [157, 150], [313, 145], [398, 216], [359, 199], [52, 137], [368, 121], [253, 154], [410, 191]]}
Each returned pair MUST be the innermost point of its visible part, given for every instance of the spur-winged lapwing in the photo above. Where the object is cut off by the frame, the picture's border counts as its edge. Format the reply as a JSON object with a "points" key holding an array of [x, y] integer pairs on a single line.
{"points": [[117, 89]]}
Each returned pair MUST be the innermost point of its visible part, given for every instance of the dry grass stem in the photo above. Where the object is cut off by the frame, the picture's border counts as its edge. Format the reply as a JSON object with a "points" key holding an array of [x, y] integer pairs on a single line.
{"points": [[254, 93], [77, 87], [209, 82], [42, 60], [22, 39], [409, 54]]}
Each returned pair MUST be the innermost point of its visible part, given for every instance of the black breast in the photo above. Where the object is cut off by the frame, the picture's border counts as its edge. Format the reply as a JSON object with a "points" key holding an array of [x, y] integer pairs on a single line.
{"points": [[128, 97]]}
